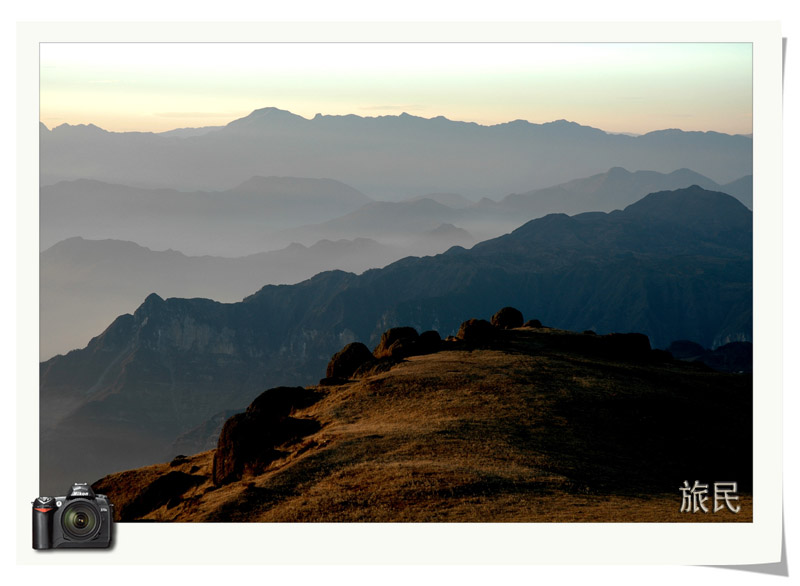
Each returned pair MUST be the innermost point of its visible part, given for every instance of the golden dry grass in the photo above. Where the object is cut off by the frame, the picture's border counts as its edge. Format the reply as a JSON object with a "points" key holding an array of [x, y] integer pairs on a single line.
{"points": [[528, 431]]}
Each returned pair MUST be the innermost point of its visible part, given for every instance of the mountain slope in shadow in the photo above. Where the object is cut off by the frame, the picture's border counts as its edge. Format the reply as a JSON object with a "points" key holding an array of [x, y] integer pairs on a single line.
{"points": [[527, 424]]}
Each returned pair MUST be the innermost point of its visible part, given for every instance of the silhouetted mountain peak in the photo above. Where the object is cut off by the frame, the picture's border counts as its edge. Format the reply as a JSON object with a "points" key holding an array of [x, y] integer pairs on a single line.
{"points": [[150, 303], [653, 222], [269, 115], [688, 175], [569, 128], [564, 123], [270, 111], [618, 172], [692, 202], [79, 128], [721, 218]]}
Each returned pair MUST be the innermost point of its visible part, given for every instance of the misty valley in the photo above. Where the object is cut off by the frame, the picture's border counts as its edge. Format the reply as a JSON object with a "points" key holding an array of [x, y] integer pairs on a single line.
{"points": [[187, 275]]}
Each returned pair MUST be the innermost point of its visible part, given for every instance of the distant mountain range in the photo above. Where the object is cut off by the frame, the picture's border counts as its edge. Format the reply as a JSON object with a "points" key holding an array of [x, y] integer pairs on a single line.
{"points": [[675, 265], [86, 281], [85, 284], [232, 220], [387, 157], [613, 190], [269, 213]]}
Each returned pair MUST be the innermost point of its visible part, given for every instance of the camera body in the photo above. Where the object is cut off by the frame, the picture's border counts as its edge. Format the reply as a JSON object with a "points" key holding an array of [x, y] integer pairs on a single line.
{"points": [[82, 519]]}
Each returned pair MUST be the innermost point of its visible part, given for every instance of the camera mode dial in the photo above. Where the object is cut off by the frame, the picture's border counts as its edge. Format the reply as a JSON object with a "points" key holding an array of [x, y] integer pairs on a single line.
{"points": [[44, 504]]}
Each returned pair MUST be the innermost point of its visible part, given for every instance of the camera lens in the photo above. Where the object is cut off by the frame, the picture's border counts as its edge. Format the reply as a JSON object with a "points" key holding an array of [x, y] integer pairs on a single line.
{"points": [[80, 520]]}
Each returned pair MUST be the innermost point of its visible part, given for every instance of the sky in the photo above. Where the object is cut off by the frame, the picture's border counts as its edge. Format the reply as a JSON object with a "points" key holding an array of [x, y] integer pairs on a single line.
{"points": [[617, 87]]}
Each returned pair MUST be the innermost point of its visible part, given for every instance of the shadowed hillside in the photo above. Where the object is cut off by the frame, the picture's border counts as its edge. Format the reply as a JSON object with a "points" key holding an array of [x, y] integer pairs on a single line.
{"points": [[521, 424]]}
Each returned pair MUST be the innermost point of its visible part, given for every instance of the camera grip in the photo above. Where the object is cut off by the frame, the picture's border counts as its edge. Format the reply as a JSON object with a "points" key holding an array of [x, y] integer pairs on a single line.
{"points": [[42, 526]]}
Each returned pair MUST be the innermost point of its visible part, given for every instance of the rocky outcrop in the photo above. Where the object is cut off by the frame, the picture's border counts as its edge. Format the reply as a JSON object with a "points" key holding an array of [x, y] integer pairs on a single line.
{"points": [[429, 341], [617, 346], [476, 331], [249, 441], [396, 343], [355, 359], [508, 318], [348, 360]]}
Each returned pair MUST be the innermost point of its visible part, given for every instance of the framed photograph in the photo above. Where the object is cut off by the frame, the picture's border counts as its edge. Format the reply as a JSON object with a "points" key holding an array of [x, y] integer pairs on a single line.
{"points": [[497, 293]]}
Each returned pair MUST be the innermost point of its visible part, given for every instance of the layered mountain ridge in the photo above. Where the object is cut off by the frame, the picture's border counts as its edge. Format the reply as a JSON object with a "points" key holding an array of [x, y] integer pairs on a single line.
{"points": [[389, 157], [675, 266], [85, 284]]}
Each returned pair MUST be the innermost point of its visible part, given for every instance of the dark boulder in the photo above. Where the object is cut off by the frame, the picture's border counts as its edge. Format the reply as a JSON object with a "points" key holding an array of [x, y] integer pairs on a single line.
{"points": [[332, 381], [533, 323], [389, 337], [426, 343], [248, 441], [281, 401], [242, 443], [178, 460], [429, 341], [347, 360], [508, 318], [402, 348], [476, 331]]}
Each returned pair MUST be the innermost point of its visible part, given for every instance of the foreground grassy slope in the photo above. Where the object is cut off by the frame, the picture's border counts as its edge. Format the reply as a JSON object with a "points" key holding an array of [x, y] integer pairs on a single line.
{"points": [[532, 427]]}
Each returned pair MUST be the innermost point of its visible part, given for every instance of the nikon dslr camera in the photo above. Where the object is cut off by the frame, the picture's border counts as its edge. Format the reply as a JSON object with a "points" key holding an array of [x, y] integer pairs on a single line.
{"points": [[80, 519]]}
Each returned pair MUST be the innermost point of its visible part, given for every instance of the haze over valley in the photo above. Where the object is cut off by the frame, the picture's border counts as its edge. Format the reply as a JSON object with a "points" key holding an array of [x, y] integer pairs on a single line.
{"points": [[128, 242]]}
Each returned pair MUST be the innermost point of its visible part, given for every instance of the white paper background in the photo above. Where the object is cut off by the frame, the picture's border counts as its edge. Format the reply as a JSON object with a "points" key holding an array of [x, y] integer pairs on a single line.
{"points": [[172, 543]]}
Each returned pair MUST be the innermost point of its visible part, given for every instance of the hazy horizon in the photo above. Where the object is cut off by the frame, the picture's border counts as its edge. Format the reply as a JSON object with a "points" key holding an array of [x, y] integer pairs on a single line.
{"points": [[431, 117], [617, 87]]}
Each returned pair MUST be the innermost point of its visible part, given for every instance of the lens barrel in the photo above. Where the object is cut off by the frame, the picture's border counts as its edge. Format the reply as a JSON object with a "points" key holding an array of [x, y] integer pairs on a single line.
{"points": [[80, 520]]}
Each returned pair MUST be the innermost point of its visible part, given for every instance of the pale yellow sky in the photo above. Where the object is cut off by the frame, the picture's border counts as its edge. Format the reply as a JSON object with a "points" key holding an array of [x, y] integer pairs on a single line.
{"points": [[618, 87]]}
